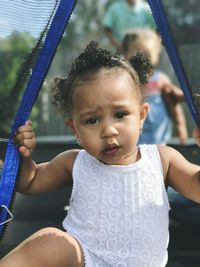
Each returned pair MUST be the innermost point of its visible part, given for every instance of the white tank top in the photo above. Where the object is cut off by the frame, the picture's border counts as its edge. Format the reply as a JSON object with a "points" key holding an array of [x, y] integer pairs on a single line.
{"points": [[119, 214]]}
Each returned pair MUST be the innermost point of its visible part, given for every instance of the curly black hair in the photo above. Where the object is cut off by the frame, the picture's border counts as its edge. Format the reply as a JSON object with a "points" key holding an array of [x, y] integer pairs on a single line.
{"points": [[87, 66], [142, 66]]}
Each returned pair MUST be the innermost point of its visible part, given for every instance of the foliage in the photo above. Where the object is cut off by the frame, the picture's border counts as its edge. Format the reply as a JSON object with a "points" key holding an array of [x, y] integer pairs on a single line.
{"points": [[80, 30], [85, 24], [15, 48], [13, 51]]}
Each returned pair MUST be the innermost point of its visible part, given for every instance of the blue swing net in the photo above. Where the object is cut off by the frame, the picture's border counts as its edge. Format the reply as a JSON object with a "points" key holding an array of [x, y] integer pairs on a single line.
{"points": [[179, 25], [40, 25]]}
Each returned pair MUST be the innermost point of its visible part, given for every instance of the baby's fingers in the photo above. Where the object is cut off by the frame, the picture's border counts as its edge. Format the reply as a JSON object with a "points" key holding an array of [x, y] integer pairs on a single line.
{"points": [[24, 151], [27, 127], [19, 138], [24, 138], [26, 146]]}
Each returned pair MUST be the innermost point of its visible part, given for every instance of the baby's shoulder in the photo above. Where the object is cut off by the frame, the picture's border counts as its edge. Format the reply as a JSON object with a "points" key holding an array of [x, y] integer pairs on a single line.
{"points": [[169, 156], [67, 159]]}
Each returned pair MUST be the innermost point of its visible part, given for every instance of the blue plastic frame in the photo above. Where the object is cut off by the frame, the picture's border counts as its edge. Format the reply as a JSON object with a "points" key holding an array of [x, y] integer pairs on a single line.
{"points": [[12, 158], [164, 29]]}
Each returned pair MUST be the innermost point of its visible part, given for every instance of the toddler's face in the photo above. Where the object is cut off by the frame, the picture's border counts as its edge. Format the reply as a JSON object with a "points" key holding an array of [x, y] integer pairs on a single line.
{"points": [[149, 44], [107, 115]]}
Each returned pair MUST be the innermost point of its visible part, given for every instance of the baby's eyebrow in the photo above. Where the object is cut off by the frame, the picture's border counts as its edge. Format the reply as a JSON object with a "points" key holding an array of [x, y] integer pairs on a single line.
{"points": [[115, 105], [89, 112], [121, 104]]}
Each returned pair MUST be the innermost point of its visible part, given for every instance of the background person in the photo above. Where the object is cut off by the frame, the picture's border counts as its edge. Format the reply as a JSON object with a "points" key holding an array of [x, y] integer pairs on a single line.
{"points": [[163, 96], [123, 15]]}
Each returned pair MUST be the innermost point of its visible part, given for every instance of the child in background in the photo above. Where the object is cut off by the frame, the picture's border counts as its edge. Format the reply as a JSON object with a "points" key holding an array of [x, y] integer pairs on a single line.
{"points": [[122, 16], [161, 94], [118, 213]]}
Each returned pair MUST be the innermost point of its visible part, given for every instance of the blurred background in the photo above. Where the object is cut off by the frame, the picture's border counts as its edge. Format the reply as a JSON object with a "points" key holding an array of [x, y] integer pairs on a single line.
{"points": [[15, 48], [86, 24]]}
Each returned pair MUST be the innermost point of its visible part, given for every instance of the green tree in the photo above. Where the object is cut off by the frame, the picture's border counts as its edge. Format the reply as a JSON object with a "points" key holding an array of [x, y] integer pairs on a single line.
{"points": [[85, 24], [14, 49]]}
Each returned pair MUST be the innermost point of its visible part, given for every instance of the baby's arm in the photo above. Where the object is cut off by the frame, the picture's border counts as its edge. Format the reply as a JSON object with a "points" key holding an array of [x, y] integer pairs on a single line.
{"points": [[37, 178], [179, 173]]}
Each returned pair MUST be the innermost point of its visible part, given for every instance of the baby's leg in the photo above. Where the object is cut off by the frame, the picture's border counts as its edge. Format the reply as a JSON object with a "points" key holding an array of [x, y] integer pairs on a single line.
{"points": [[49, 247]]}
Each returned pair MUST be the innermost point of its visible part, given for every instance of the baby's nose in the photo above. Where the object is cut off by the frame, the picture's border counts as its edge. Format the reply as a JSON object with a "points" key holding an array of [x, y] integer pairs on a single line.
{"points": [[110, 130]]}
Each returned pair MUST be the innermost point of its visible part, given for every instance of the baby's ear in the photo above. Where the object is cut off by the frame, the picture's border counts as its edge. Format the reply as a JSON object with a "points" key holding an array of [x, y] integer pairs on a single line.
{"points": [[143, 112], [70, 124]]}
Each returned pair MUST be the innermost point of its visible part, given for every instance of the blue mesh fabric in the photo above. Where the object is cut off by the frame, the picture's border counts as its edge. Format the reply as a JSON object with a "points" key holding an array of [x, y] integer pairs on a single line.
{"points": [[179, 24], [44, 21]]}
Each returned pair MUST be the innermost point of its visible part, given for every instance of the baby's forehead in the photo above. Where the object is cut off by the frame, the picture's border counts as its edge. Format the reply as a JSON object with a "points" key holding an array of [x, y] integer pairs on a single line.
{"points": [[115, 71], [104, 79], [126, 73], [106, 74]]}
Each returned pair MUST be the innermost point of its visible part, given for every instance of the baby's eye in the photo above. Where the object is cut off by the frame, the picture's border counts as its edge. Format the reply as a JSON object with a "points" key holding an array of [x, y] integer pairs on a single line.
{"points": [[93, 120], [120, 114]]}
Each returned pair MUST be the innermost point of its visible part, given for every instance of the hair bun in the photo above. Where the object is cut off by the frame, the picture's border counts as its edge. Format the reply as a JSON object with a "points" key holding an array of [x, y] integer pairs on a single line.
{"points": [[142, 66]]}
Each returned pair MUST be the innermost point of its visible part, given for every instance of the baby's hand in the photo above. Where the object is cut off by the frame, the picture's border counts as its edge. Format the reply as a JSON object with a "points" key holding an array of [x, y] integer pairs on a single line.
{"points": [[24, 138], [196, 135]]}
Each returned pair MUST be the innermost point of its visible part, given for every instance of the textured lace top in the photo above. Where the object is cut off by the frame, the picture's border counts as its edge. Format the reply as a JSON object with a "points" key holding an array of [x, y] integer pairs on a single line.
{"points": [[119, 214]]}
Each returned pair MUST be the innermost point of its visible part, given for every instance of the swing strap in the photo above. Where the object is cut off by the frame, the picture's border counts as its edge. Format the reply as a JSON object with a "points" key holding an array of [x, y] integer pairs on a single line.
{"points": [[166, 35], [11, 163]]}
